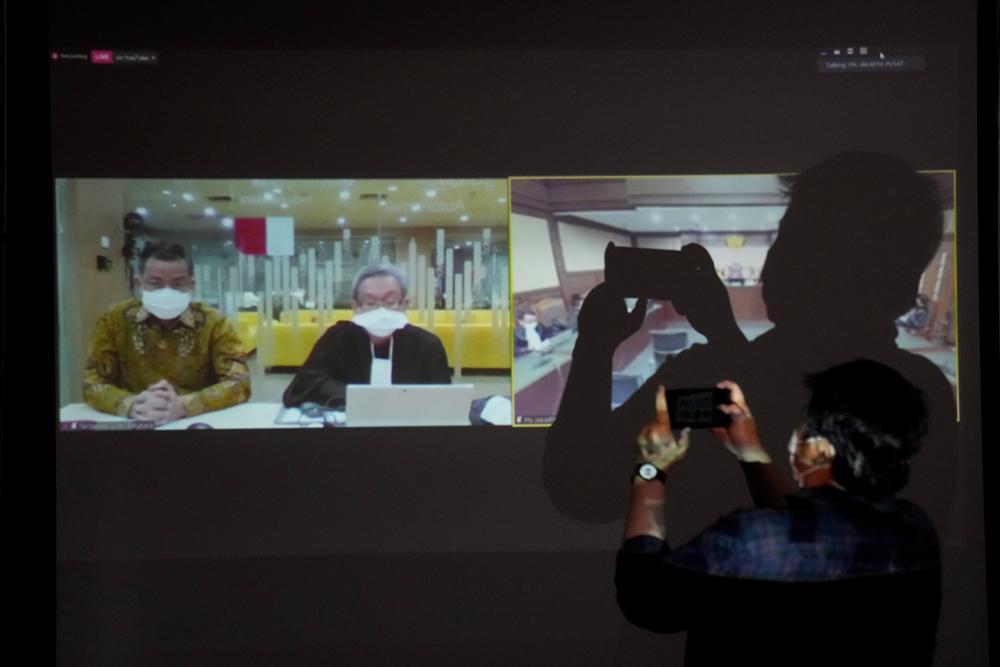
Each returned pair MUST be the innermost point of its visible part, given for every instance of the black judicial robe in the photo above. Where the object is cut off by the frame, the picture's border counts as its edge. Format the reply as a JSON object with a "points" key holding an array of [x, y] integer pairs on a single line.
{"points": [[343, 356]]}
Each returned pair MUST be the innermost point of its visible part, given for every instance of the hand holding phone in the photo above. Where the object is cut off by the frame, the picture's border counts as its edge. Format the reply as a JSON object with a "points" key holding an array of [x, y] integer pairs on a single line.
{"points": [[685, 277], [698, 408], [604, 319], [740, 435]]}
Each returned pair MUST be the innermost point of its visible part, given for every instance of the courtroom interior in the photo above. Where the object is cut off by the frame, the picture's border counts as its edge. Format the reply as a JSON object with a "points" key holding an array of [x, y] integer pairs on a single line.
{"points": [[561, 226]]}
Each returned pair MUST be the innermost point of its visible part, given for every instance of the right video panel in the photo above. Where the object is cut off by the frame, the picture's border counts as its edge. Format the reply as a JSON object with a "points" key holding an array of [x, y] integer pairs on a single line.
{"points": [[560, 228]]}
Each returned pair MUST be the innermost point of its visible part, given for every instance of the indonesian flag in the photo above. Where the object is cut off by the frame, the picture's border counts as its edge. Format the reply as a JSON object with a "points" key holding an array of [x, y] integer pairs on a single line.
{"points": [[265, 236]]}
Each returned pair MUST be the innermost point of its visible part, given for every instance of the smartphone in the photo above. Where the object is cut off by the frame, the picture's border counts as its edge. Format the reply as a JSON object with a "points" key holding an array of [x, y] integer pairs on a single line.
{"points": [[697, 408], [638, 272]]}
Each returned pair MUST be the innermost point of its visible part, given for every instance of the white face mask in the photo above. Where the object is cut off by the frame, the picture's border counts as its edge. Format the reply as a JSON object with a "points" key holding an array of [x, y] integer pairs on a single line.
{"points": [[166, 303], [800, 469], [381, 322]]}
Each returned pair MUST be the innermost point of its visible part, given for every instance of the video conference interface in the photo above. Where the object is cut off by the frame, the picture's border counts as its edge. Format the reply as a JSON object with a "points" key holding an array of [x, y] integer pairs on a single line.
{"points": [[643, 131], [291, 303]]}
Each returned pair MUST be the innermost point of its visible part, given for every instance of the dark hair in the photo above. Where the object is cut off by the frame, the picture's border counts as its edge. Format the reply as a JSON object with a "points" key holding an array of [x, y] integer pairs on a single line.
{"points": [[875, 420], [132, 221], [165, 251]]}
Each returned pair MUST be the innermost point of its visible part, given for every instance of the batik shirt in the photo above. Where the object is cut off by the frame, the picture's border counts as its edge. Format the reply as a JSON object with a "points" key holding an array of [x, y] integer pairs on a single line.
{"points": [[201, 356]]}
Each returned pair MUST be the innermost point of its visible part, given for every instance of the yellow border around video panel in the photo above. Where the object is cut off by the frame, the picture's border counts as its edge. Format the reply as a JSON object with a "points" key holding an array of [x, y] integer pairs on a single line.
{"points": [[510, 255]]}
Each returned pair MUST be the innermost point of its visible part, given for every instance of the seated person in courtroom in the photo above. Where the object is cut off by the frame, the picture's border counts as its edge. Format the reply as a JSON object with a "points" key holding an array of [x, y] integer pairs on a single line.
{"points": [[841, 570], [377, 347], [530, 335], [163, 357], [915, 320]]}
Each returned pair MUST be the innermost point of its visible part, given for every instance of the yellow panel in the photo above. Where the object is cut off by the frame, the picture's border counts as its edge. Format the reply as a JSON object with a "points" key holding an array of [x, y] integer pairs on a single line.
{"points": [[483, 346]]}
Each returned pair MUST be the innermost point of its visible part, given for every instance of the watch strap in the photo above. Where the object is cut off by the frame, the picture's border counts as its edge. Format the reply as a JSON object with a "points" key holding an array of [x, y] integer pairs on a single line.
{"points": [[660, 475]]}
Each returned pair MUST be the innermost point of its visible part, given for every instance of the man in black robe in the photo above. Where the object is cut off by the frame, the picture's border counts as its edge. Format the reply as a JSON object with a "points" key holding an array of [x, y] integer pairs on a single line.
{"points": [[378, 347]]}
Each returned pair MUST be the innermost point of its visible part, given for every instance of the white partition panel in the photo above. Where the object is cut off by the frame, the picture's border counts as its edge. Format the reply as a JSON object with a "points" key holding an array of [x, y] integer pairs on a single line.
{"points": [[311, 275], [449, 278], [467, 288], [411, 269], [458, 313], [431, 278]]}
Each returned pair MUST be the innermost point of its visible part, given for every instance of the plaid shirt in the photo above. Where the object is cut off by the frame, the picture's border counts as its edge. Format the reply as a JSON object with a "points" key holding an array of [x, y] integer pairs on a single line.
{"points": [[870, 567], [822, 534]]}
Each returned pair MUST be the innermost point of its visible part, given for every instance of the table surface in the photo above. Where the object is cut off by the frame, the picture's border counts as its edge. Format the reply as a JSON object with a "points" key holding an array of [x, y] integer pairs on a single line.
{"points": [[531, 367], [244, 415]]}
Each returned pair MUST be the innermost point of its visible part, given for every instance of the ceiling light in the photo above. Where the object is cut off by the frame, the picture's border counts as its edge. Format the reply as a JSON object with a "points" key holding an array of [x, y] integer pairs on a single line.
{"points": [[381, 202], [468, 243], [415, 208], [403, 219], [227, 223], [188, 196], [142, 210], [268, 196], [341, 220], [463, 218], [501, 200], [345, 195], [431, 194], [284, 206], [209, 211], [166, 192], [276, 191], [392, 188], [173, 206]]}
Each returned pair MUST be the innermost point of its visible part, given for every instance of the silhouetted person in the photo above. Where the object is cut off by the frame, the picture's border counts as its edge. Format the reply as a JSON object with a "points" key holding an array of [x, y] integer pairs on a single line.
{"points": [[859, 230], [853, 574]]}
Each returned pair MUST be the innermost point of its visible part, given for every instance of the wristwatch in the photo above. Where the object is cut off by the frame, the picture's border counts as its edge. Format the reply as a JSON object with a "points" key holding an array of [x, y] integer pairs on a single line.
{"points": [[649, 472]]}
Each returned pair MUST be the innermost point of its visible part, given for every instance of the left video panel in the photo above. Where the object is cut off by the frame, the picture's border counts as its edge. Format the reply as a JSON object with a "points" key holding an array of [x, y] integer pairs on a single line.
{"points": [[282, 303]]}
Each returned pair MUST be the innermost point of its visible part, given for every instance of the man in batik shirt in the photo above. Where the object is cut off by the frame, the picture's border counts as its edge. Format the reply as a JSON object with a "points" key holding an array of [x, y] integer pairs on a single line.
{"points": [[162, 357]]}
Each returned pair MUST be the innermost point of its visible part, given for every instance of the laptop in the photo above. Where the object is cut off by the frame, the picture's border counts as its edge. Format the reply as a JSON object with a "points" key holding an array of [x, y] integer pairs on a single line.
{"points": [[409, 405]]}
